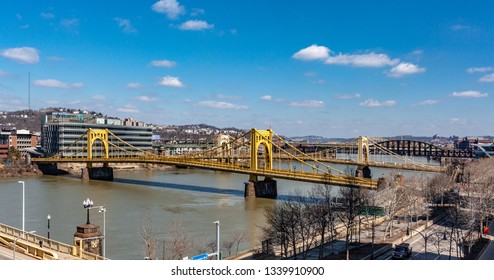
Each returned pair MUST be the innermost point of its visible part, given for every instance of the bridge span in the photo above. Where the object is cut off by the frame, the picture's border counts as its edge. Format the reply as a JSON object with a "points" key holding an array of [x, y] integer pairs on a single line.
{"points": [[252, 153]]}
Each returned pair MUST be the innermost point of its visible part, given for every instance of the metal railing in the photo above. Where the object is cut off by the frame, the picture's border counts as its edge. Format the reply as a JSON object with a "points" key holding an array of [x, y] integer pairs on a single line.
{"points": [[41, 247]]}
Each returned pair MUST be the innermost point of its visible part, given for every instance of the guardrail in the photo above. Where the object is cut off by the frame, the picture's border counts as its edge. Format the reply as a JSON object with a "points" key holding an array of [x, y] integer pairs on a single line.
{"points": [[41, 247]]}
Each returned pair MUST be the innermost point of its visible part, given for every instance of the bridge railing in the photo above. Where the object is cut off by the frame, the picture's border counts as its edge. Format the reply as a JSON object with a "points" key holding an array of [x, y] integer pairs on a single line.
{"points": [[40, 247]]}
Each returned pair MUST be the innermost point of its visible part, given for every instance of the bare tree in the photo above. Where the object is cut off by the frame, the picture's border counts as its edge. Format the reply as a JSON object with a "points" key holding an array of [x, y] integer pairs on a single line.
{"points": [[180, 244], [351, 199], [239, 236], [147, 234], [323, 213], [228, 245]]}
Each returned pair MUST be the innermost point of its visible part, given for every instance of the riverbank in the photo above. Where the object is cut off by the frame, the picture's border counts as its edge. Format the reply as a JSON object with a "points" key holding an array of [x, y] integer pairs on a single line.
{"points": [[23, 169], [19, 170], [75, 168]]}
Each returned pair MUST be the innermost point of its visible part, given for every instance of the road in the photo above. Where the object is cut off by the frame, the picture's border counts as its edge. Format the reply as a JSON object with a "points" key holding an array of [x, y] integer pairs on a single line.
{"points": [[7, 254]]}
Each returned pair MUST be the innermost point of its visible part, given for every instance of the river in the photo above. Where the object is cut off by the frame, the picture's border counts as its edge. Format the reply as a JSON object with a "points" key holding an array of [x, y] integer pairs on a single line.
{"points": [[194, 197]]}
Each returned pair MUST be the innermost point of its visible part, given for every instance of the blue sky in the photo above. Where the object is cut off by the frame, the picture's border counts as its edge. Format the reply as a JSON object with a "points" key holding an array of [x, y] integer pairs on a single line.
{"points": [[328, 68]]}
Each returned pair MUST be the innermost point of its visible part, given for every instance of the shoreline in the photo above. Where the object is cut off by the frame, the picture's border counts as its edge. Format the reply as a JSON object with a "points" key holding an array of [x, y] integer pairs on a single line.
{"points": [[75, 168], [22, 170]]}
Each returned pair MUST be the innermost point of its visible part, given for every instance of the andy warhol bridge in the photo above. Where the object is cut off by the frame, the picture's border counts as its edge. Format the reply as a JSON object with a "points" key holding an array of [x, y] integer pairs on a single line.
{"points": [[257, 153]]}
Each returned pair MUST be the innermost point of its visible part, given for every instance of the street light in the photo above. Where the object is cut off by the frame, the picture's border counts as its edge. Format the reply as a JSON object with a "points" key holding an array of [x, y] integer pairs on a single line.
{"points": [[88, 204], [48, 218], [102, 209], [217, 239], [23, 203], [426, 237]]}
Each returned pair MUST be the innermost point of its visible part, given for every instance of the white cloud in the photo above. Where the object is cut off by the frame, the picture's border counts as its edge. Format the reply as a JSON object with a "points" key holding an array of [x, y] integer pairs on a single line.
{"points": [[487, 78], [47, 15], [376, 103], [69, 22], [428, 102], [56, 84], [133, 85], [26, 55], [470, 93], [222, 105], [128, 109], [362, 60], [459, 27], [196, 12], [76, 85], [313, 52], [231, 97], [458, 121], [266, 98], [348, 96], [405, 68], [307, 103], [163, 63], [3, 73], [144, 98], [479, 69], [169, 81], [125, 24], [171, 8], [195, 25]]}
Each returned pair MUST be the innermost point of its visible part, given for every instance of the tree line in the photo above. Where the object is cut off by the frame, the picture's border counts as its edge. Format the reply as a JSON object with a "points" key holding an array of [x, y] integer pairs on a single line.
{"points": [[463, 196]]}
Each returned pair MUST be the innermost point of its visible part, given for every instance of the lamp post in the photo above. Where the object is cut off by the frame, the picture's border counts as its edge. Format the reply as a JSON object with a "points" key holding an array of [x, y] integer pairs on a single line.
{"points": [[88, 205], [102, 209], [23, 203], [48, 218], [217, 239], [426, 237]]}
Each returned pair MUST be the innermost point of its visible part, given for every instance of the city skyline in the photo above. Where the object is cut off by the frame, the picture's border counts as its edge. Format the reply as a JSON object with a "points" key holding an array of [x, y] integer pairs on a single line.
{"points": [[312, 68]]}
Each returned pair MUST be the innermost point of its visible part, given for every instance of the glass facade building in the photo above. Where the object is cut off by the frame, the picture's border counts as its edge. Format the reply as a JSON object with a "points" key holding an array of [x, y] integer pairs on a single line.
{"points": [[60, 130]]}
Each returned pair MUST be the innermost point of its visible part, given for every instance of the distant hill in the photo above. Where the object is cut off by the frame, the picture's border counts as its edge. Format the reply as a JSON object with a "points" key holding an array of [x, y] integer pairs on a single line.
{"points": [[312, 139], [31, 120]]}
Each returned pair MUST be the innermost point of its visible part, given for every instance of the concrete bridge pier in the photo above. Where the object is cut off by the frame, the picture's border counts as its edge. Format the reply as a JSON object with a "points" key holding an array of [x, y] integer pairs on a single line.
{"points": [[266, 188], [97, 173], [363, 172]]}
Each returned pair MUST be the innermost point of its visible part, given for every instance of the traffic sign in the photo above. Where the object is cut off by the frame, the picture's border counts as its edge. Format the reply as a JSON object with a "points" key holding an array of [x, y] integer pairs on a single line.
{"points": [[200, 257]]}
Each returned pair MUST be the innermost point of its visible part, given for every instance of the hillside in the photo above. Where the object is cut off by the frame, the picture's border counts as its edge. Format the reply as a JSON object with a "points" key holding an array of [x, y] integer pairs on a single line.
{"points": [[31, 120]]}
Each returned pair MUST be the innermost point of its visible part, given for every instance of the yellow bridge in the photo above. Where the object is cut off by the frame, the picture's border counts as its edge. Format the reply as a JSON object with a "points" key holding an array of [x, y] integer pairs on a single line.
{"points": [[252, 153]]}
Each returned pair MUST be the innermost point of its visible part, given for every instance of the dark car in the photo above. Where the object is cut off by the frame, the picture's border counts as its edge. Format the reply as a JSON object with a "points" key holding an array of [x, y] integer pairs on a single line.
{"points": [[402, 251]]}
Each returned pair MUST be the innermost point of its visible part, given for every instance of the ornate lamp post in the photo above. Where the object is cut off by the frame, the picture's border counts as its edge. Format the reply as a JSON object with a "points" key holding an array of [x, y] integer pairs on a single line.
{"points": [[87, 205]]}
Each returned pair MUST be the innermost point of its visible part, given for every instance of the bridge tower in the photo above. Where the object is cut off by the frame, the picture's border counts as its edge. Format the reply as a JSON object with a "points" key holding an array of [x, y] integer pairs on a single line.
{"points": [[266, 188], [92, 136], [363, 169], [97, 173], [223, 141]]}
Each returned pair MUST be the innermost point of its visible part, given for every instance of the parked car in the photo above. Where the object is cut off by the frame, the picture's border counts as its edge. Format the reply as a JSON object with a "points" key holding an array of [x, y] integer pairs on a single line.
{"points": [[402, 251]]}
